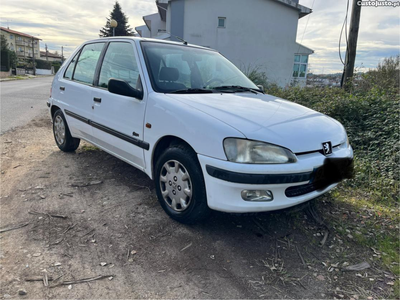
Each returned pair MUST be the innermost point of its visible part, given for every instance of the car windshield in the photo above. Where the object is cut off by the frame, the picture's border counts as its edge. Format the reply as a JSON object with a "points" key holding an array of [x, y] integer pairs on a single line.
{"points": [[180, 68]]}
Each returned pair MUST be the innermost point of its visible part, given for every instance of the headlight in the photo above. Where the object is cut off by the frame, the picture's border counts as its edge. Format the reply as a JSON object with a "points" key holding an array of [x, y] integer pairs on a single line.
{"points": [[253, 152], [345, 144]]}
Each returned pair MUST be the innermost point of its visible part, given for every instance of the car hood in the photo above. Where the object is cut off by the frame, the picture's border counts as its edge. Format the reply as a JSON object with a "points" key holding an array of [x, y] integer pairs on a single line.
{"points": [[269, 119]]}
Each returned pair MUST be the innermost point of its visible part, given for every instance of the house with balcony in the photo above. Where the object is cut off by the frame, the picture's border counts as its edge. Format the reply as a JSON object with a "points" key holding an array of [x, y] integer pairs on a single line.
{"points": [[24, 45], [252, 34]]}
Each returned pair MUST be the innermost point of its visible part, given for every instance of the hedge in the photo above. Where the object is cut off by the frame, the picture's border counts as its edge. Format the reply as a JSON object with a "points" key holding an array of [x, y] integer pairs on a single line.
{"points": [[43, 64], [5, 60]]}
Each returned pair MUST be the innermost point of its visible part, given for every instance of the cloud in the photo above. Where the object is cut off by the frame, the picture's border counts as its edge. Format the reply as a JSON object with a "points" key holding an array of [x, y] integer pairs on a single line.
{"points": [[378, 35], [75, 21], [68, 24]]}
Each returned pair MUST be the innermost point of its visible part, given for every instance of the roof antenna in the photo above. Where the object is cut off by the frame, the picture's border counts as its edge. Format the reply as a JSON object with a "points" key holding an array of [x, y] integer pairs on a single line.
{"points": [[178, 38]]}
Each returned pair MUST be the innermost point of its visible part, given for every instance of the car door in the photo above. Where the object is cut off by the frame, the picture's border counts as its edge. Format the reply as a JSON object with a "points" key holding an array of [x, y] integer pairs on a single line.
{"points": [[75, 90], [118, 120]]}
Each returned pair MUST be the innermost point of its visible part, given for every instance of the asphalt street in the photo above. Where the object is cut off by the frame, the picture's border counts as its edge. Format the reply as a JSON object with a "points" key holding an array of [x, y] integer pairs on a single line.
{"points": [[22, 100]]}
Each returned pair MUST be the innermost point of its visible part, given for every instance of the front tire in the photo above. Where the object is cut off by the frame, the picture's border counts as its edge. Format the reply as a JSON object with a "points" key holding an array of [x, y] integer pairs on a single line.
{"points": [[62, 135], [180, 185]]}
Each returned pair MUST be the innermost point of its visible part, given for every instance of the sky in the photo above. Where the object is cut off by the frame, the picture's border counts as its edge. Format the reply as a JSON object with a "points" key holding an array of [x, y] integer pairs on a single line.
{"points": [[68, 23]]}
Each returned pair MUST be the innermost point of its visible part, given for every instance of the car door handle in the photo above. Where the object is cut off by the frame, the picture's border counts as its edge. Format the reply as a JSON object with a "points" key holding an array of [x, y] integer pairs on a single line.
{"points": [[62, 88], [97, 100]]}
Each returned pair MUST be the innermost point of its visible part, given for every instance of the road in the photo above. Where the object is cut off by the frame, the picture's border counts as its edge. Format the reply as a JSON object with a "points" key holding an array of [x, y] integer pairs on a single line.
{"points": [[22, 100]]}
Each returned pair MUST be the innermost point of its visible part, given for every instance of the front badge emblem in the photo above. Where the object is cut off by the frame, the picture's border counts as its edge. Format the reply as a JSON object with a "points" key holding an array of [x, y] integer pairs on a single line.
{"points": [[327, 148]]}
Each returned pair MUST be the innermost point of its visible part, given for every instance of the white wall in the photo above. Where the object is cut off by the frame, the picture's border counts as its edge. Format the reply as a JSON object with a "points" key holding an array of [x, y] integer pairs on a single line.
{"points": [[258, 33], [43, 72], [168, 25], [143, 31], [156, 24]]}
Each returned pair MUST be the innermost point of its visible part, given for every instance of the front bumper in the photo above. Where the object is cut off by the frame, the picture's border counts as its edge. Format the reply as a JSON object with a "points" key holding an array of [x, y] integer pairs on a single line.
{"points": [[291, 184]]}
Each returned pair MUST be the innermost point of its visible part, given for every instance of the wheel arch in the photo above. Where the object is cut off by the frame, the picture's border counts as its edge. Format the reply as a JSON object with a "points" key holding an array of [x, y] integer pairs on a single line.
{"points": [[53, 110], [164, 143]]}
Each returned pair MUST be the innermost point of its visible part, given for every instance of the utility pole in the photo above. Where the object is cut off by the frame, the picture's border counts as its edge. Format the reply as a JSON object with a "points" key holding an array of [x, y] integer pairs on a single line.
{"points": [[62, 54], [352, 44], [47, 58], [33, 57]]}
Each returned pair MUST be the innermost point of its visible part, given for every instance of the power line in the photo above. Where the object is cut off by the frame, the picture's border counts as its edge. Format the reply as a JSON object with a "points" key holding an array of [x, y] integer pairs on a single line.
{"points": [[305, 28], [308, 19], [344, 26]]}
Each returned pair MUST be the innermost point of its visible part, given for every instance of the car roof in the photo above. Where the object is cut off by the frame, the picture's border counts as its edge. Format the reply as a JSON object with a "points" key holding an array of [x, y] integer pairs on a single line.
{"points": [[146, 40]]}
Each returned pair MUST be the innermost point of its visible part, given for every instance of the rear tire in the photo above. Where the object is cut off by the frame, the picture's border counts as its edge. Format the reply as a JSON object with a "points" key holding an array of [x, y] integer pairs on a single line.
{"points": [[180, 185], [62, 135]]}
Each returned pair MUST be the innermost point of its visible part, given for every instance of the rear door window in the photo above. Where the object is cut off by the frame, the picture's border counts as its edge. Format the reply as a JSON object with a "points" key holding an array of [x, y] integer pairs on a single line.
{"points": [[87, 62], [120, 63]]}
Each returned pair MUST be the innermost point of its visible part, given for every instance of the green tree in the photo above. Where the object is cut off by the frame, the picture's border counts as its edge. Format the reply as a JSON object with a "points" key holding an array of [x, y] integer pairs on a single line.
{"points": [[123, 29], [13, 59], [3, 43], [12, 56]]}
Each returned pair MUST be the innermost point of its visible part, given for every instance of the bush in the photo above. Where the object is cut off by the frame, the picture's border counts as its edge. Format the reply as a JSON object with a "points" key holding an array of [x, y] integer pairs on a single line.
{"points": [[385, 78], [370, 115], [56, 65], [254, 74], [43, 64]]}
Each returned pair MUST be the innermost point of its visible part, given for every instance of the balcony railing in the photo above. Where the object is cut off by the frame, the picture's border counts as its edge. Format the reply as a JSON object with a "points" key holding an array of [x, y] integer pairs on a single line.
{"points": [[25, 43]]}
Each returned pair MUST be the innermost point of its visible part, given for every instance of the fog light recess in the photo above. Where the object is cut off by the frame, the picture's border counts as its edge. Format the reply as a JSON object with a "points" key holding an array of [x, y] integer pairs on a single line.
{"points": [[257, 195]]}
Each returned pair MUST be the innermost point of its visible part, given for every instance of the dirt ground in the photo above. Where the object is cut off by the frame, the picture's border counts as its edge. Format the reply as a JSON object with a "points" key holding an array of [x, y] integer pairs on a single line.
{"points": [[88, 214]]}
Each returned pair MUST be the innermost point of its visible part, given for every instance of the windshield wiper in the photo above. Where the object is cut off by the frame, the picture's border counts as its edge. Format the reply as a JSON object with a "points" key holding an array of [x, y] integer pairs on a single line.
{"points": [[191, 91], [236, 88]]}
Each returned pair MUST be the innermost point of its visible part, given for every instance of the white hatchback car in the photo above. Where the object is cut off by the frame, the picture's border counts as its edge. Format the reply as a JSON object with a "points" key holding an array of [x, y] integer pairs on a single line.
{"points": [[195, 124]]}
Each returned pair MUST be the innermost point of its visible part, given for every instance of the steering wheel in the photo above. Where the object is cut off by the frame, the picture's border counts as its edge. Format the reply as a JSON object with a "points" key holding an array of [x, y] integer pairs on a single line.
{"points": [[212, 80]]}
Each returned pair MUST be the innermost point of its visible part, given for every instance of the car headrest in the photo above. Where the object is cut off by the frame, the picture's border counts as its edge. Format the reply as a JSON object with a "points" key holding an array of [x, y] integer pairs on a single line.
{"points": [[169, 74]]}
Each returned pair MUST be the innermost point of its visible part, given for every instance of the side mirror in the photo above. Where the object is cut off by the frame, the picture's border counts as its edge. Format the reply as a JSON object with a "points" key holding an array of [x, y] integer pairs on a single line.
{"points": [[121, 87], [261, 87]]}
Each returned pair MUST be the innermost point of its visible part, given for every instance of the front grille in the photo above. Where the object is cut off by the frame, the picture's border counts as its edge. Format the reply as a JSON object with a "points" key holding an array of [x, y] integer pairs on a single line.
{"points": [[332, 171], [295, 191]]}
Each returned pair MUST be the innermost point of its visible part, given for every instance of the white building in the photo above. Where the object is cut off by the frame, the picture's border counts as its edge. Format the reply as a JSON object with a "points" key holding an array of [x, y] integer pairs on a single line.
{"points": [[251, 33]]}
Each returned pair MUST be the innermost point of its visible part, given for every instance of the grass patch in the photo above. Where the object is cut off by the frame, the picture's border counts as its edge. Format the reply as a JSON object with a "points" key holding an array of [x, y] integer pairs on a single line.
{"points": [[375, 227], [89, 147], [383, 222]]}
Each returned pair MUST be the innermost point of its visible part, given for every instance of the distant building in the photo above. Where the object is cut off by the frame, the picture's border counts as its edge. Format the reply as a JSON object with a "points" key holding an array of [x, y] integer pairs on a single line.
{"points": [[50, 56], [23, 44], [252, 34]]}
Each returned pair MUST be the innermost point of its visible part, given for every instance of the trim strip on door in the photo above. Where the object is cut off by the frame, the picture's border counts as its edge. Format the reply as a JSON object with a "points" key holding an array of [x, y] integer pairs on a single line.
{"points": [[78, 117], [142, 144]]}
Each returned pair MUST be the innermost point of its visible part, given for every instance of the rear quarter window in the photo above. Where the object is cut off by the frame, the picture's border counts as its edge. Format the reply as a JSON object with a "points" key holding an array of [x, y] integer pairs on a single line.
{"points": [[70, 69]]}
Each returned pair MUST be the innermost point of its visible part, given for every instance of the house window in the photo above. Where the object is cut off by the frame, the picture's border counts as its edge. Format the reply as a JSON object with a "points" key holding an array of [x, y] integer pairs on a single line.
{"points": [[221, 22], [300, 66], [11, 36]]}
